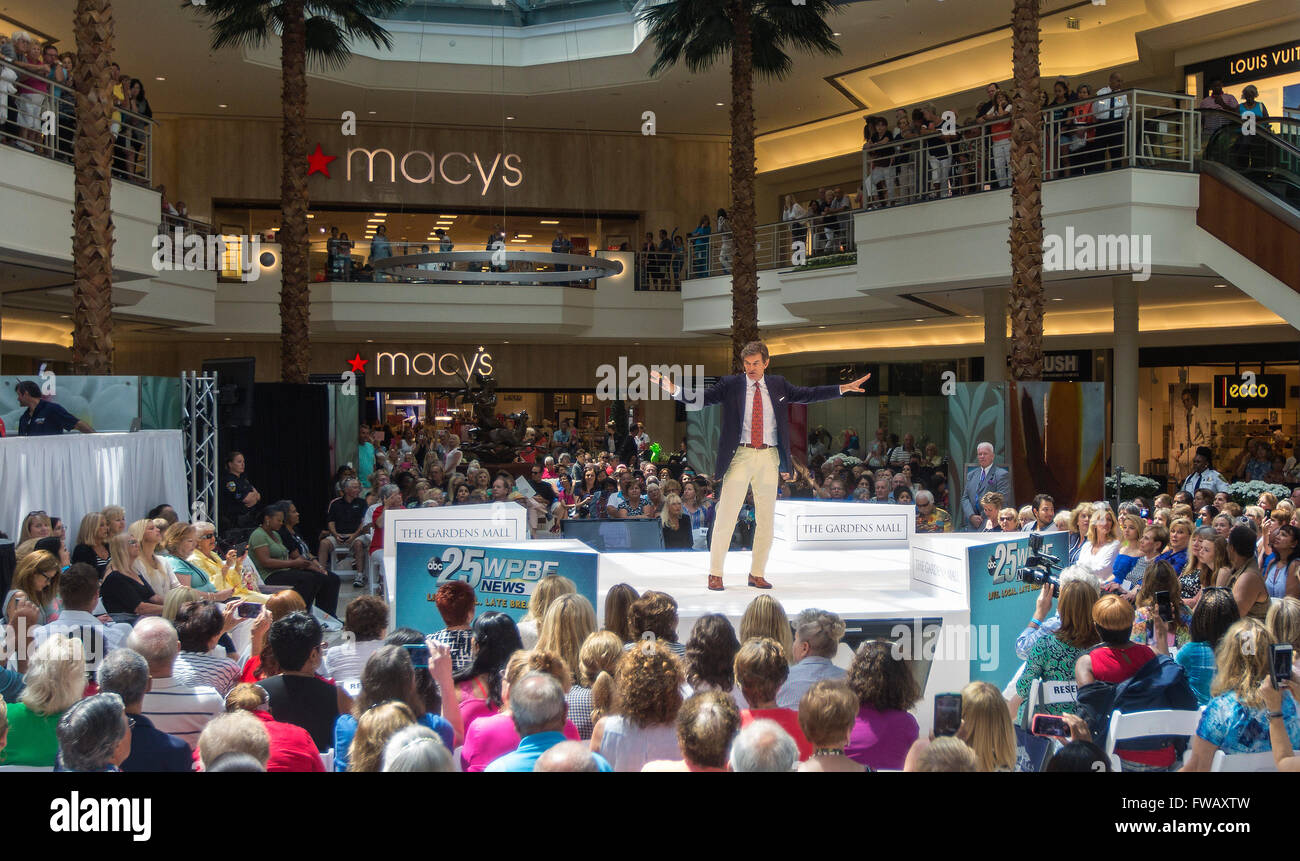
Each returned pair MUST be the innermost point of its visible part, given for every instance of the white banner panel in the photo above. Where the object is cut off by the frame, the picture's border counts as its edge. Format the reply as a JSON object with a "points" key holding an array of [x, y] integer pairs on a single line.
{"points": [[809, 524]]}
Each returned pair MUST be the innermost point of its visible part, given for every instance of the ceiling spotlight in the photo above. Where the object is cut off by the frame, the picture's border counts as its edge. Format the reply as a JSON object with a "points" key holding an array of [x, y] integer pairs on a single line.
{"points": [[545, 221], [372, 113], [1057, 299], [510, 118], [159, 78], [836, 34], [380, 214], [719, 104], [222, 106]]}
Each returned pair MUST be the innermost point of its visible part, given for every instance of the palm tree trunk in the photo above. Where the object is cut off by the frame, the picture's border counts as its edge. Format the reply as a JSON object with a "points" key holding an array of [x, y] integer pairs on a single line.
{"points": [[1026, 295], [744, 264], [92, 215], [295, 295]]}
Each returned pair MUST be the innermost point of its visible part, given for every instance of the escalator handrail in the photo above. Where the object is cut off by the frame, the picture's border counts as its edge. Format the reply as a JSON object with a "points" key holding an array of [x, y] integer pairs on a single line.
{"points": [[1235, 127], [1270, 203]]}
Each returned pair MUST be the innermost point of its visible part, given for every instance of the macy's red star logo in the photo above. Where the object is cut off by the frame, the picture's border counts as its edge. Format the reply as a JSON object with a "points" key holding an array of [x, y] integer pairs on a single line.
{"points": [[358, 364], [318, 162]]}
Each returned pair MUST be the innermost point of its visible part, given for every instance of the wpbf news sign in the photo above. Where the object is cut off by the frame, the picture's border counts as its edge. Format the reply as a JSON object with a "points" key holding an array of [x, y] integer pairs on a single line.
{"points": [[503, 576]]}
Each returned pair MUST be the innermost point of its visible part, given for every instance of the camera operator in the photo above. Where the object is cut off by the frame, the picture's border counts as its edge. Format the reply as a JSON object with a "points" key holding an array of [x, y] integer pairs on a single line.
{"points": [[1041, 624]]}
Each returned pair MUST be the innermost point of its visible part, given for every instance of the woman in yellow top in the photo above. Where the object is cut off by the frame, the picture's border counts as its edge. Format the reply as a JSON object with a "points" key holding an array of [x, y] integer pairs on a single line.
{"points": [[224, 574]]}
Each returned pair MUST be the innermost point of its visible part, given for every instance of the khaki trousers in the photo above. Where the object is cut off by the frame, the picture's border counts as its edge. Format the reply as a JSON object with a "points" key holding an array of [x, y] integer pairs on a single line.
{"points": [[759, 468]]}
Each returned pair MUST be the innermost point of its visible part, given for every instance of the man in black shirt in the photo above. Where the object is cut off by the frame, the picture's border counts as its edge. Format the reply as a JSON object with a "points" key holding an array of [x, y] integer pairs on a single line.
{"points": [[297, 695], [344, 529], [44, 418]]}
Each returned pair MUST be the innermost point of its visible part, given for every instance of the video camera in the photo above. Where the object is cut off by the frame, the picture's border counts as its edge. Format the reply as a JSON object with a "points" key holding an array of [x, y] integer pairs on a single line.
{"points": [[1040, 568]]}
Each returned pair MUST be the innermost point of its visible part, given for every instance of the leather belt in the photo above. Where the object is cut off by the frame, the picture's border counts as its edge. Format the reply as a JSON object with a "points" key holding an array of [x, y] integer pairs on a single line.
{"points": [[759, 447]]}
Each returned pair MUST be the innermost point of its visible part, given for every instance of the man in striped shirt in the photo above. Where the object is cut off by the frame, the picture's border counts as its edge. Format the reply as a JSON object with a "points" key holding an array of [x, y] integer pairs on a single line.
{"points": [[173, 708]]}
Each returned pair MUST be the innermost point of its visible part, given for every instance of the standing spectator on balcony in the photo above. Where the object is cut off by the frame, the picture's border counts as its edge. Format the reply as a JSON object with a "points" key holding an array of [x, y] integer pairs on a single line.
{"points": [[998, 116], [938, 150], [1081, 148], [496, 242], [561, 245], [793, 215], [380, 249], [700, 248], [649, 262], [1214, 106], [44, 418], [880, 167], [62, 96], [138, 125], [665, 260], [1111, 108], [905, 157], [32, 89], [724, 243]]}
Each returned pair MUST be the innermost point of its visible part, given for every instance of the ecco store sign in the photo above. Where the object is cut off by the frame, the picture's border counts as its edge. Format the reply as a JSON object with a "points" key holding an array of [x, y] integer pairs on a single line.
{"points": [[434, 364], [453, 168]]}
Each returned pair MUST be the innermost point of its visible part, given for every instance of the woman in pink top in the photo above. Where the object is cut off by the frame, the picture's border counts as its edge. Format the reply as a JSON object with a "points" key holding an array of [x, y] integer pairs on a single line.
{"points": [[886, 690], [493, 736], [496, 638]]}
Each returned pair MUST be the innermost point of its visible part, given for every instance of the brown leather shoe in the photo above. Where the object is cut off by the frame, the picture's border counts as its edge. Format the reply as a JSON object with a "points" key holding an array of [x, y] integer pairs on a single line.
{"points": [[715, 583], [759, 582]]}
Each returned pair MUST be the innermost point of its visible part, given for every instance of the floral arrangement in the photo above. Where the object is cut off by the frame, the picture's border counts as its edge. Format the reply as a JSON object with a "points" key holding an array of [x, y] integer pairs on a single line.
{"points": [[845, 459], [1247, 492], [1132, 486]]}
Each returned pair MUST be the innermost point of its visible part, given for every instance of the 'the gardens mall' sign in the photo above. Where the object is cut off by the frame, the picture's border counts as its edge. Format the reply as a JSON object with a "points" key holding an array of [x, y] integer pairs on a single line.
{"points": [[419, 167]]}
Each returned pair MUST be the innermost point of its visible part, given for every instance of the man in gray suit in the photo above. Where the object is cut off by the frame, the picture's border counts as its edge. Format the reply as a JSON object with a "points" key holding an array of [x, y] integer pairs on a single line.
{"points": [[979, 481]]}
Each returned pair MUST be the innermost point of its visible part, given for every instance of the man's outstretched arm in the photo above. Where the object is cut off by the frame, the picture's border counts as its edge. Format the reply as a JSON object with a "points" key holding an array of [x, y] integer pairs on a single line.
{"points": [[712, 395]]}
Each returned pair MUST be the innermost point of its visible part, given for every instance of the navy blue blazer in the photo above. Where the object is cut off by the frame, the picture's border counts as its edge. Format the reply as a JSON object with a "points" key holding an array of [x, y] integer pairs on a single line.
{"points": [[730, 393], [154, 750]]}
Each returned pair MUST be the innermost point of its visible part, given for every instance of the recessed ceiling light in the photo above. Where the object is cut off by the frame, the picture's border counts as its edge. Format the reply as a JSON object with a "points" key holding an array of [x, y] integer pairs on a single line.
{"points": [[372, 113], [309, 215], [524, 235], [227, 339], [549, 222], [221, 106], [380, 214], [159, 78], [821, 327], [718, 104], [370, 340], [448, 216], [1055, 299], [919, 320], [836, 34], [505, 342], [510, 118]]}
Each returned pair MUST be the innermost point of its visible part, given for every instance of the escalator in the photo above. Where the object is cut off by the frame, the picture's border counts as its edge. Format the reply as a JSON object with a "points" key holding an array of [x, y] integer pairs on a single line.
{"points": [[1250, 202]]}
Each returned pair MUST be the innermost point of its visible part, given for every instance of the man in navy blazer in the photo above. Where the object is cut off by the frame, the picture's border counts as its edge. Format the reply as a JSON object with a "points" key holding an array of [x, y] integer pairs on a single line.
{"points": [[753, 450], [983, 479], [126, 673]]}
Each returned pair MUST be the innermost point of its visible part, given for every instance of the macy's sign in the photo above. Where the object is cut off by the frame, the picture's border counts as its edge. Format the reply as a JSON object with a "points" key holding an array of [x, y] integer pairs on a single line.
{"points": [[453, 168], [434, 364]]}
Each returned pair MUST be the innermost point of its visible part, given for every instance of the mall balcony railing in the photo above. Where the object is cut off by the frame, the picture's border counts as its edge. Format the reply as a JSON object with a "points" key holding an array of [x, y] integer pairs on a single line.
{"points": [[39, 115], [350, 260], [1129, 128], [827, 240], [171, 223]]}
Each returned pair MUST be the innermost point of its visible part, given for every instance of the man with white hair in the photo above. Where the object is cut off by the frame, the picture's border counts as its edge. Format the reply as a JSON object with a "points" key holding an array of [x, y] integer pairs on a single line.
{"points": [[983, 479], [817, 635], [763, 746], [539, 711], [173, 708], [570, 756]]}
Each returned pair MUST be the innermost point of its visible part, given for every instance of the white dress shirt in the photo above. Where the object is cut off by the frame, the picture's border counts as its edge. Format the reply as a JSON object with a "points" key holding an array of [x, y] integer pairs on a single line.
{"points": [[1210, 480], [769, 414], [1102, 108], [111, 636]]}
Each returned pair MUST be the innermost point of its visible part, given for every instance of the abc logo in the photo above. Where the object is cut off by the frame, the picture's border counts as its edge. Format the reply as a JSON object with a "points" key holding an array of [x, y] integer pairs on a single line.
{"points": [[435, 567]]}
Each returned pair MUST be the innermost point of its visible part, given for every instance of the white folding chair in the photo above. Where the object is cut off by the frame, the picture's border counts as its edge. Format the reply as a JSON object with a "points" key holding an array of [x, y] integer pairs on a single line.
{"points": [[1043, 693], [338, 553], [1243, 761], [456, 759], [327, 759], [375, 573], [1139, 724]]}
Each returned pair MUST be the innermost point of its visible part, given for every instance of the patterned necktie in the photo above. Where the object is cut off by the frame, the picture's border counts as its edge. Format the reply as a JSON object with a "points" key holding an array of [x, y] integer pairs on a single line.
{"points": [[756, 418]]}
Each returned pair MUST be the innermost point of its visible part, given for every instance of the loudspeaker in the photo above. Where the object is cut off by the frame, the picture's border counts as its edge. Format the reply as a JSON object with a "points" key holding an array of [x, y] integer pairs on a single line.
{"points": [[234, 390]]}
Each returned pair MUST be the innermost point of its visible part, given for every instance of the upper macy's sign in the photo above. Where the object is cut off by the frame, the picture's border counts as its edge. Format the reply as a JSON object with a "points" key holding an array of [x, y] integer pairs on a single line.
{"points": [[419, 166]]}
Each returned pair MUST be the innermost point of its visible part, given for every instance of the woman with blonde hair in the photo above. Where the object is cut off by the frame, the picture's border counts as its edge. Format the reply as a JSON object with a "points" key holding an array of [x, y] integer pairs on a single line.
{"points": [[150, 565], [116, 517], [1098, 553], [1052, 657], [646, 696], [1130, 529], [1237, 720], [1283, 621], [676, 524], [1025, 516], [1008, 520], [36, 525], [618, 601], [1207, 564], [568, 622], [547, 590], [598, 657], [765, 617], [1080, 519], [35, 587], [986, 727], [374, 729], [92, 543], [125, 591], [178, 598], [56, 679]]}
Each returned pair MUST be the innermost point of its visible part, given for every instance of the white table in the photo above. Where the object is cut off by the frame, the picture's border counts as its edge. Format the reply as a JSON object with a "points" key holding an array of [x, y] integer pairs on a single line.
{"points": [[71, 475]]}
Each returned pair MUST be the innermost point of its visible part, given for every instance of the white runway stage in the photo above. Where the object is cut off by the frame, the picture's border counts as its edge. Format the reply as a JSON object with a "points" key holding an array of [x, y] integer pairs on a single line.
{"points": [[853, 583]]}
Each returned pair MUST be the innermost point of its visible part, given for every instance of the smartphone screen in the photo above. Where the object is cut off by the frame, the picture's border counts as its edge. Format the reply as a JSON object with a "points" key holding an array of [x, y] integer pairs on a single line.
{"points": [[1050, 726], [947, 714], [1280, 662], [419, 655], [248, 610]]}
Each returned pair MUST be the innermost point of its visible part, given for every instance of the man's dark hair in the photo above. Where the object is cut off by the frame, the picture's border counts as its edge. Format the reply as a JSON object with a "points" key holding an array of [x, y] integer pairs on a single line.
{"points": [[1240, 538], [79, 586], [754, 348], [27, 387], [157, 510], [1040, 499], [292, 639], [197, 623]]}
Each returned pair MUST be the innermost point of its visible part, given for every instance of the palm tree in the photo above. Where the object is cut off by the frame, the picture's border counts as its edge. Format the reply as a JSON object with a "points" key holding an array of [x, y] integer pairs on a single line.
{"points": [[755, 33], [1026, 295], [319, 31], [92, 215]]}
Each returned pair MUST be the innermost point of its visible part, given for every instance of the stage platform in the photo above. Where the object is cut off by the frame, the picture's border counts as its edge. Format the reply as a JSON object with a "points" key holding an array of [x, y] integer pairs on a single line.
{"points": [[856, 584]]}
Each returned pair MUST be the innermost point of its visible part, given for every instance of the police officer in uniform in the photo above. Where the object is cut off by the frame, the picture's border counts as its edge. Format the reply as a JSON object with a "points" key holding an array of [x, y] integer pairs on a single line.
{"points": [[239, 499]]}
